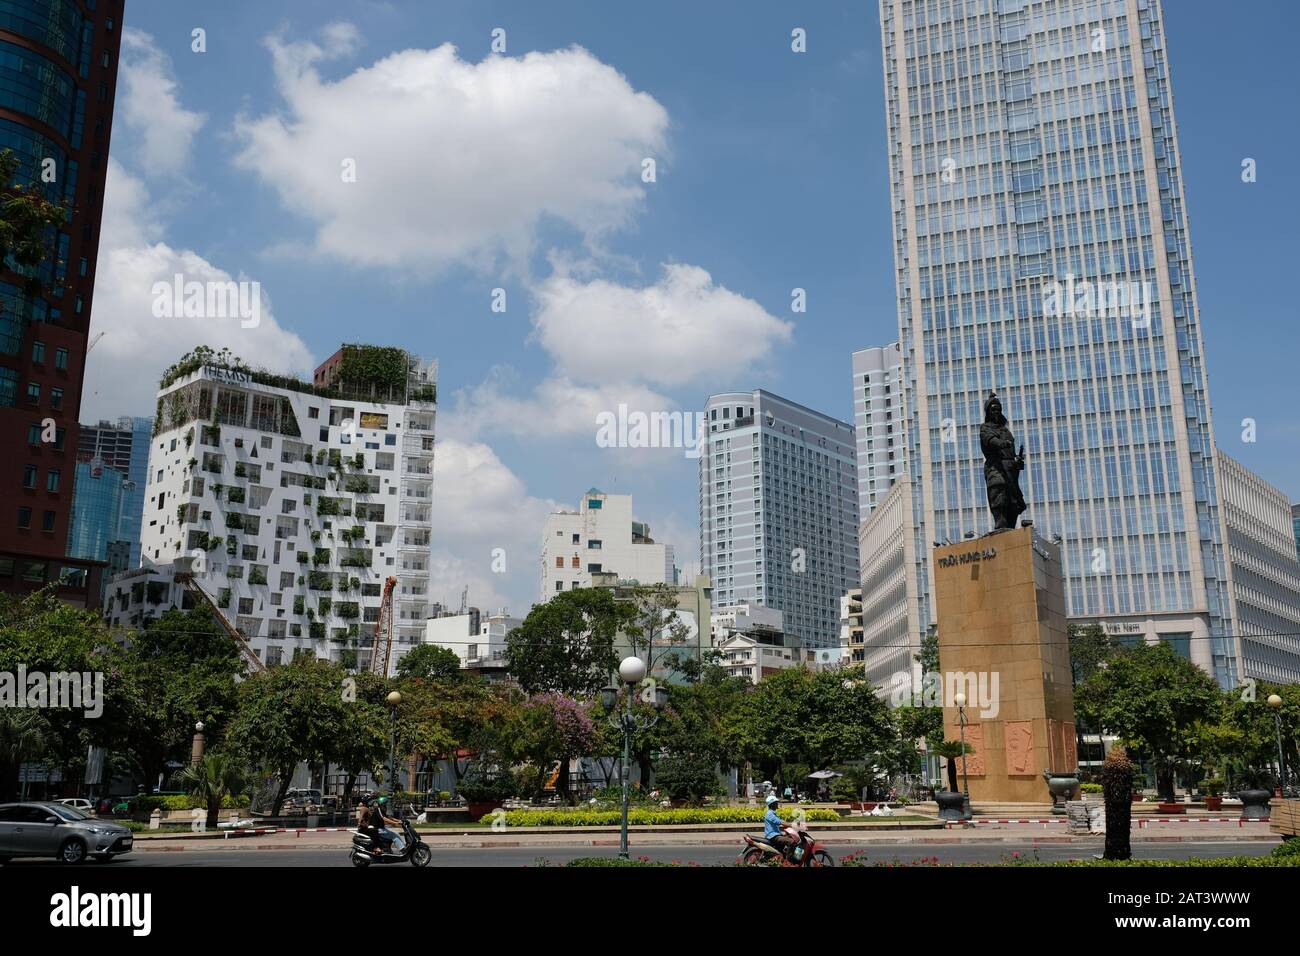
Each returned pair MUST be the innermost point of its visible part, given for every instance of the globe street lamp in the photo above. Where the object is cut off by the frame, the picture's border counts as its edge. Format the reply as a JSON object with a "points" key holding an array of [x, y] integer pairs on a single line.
{"points": [[196, 748], [960, 700], [631, 670], [1275, 702], [394, 700]]}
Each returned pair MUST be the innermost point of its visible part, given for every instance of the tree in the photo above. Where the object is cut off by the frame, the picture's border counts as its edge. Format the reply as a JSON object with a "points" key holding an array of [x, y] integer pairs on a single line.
{"points": [[291, 714], [363, 743], [22, 738], [1153, 700], [1117, 792], [1090, 648], [430, 662], [656, 633], [821, 719], [551, 727], [567, 644], [1245, 740], [177, 671], [212, 779], [952, 751], [688, 776]]}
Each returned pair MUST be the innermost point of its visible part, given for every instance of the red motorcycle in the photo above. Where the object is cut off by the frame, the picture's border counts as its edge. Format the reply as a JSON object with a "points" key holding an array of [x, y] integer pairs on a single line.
{"points": [[806, 852]]}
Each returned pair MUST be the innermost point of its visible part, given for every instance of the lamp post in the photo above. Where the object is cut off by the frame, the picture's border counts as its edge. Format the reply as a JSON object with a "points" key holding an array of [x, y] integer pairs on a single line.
{"points": [[394, 700], [196, 747], [960, 700], [1275, 702], [631, 671]]}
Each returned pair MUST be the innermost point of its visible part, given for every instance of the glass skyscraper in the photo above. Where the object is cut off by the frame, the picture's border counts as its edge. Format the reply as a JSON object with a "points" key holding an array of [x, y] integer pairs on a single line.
{"points": [[1042, 252], [124, 446]]}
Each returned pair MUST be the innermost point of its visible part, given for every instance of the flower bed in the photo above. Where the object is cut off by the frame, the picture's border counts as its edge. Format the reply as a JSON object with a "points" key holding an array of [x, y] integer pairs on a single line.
{"points": [[638, 816]]}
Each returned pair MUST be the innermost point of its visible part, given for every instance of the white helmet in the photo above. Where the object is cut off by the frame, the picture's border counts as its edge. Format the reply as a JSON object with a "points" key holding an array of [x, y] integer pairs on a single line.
{"points": [[771, 799]]}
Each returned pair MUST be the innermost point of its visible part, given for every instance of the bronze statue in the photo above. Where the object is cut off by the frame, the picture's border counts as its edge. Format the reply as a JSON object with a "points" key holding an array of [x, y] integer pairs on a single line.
{"points": [[1002, 466]]}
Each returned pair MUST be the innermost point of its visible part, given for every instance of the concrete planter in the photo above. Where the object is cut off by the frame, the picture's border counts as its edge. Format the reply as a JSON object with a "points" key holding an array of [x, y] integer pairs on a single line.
{"points": [[1214, 803], [1254, 804]]}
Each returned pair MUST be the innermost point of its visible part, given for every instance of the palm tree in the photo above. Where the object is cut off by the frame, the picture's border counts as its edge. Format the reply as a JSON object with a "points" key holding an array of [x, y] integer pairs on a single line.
{"points": [[952, 751], [23, 736], [212, 779]]}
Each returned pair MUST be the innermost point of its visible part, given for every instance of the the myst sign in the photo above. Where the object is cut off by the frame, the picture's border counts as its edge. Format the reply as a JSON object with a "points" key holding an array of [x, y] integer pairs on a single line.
{"points": [[227, 375], [966, 557]]}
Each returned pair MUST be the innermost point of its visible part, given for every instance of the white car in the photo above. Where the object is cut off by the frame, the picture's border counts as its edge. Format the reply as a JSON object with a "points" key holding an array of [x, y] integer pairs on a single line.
{"points": [[80, 803]]}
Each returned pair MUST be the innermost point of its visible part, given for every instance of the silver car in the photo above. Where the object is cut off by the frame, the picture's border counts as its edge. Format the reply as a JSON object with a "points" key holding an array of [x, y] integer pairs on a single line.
{"points": [[56, 830]]}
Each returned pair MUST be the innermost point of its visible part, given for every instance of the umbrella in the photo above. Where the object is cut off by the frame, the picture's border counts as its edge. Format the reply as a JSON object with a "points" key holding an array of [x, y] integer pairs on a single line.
{"points": [[824, 775]]}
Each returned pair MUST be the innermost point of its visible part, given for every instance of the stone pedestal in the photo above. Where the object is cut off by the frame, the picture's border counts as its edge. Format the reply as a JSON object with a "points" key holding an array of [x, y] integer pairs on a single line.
{"points": [[1000, 608]]}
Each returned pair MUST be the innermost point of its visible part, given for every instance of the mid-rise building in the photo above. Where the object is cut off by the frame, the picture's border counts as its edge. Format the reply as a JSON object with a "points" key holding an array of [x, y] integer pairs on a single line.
{"points": [[878, 418], [686, 631], [297, 501], [744, 655], [1264, 573], [601, 538], [122, 445], [1042, 252], [891, 595], [479, 641], [58, 61], [852, 648], [779, 510]]}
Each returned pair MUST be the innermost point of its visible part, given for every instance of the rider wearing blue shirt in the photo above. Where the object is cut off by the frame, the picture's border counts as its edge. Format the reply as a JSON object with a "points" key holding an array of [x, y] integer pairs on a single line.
{"points": [[773, 825]]}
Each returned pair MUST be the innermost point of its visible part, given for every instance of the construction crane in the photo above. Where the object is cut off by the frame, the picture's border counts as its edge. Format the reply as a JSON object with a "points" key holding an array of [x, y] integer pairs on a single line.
{"points": [[255, 663], [383, 650]]}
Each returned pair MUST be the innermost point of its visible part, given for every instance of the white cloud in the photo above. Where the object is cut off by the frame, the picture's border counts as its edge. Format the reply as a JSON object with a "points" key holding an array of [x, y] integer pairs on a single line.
{"points": [[479, 505], [556, 407], [149, 106], [123, 369], [677, 331], [457, 163]]}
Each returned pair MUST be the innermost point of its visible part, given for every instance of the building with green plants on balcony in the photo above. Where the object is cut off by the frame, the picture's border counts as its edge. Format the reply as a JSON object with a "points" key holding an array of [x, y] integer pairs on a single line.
{"points": [[293, 501]]}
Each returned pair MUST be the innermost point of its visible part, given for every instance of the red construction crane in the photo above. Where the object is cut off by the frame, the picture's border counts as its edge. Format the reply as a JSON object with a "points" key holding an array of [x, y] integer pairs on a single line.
{"points": [[255, 663], [383, 650]]}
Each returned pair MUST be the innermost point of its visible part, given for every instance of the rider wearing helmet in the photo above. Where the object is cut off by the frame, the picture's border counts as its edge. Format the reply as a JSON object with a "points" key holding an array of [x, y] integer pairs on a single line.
{"points": [[774, 831], [382, 821]]}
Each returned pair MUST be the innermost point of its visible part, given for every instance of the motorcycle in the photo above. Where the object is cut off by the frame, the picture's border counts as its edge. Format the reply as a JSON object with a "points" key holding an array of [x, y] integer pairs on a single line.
{"points": [[416, 851], [806, 853]]}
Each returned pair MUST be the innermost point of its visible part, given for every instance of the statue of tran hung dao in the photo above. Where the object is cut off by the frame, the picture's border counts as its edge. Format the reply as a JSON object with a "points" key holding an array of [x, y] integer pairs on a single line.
{"points": [[1002, 466]]}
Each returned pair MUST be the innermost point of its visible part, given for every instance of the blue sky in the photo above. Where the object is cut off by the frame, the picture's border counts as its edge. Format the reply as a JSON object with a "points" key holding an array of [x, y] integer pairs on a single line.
{"points": [[771, 175]]}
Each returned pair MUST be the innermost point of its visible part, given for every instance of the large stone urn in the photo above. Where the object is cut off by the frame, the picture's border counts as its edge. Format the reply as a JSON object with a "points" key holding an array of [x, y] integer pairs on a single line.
{"points": [[1254, 804], [1062, 787], [952, 805]]}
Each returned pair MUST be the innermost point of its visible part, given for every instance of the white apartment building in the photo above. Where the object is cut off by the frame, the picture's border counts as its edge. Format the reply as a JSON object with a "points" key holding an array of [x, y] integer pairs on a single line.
{"points": [[878, 420], [746, 656], [481, 647], [297, 501], [891, 596], [601, 538]]}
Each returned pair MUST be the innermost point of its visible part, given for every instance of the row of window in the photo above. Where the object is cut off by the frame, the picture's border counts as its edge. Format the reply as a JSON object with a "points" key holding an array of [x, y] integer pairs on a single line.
{"points": [[52, 477], [60, 356], [25, 519]]}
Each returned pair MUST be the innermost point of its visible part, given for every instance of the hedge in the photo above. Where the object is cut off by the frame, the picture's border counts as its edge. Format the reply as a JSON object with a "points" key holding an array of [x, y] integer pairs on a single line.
{"points": [[192, 802], [638, 816]]}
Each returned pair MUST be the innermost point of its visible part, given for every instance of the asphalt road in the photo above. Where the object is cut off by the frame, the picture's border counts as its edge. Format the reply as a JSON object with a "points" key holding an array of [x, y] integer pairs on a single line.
{"points": [[704, 855]]}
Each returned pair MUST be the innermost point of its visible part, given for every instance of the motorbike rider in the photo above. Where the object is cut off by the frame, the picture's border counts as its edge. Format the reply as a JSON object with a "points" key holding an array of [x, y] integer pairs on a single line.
{"points": [[368, 822], [383, 822], [775, 830]]}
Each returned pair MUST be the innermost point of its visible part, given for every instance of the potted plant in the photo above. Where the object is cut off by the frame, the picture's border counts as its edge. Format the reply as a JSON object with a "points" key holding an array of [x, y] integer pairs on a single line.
{"points": [[953, 804], [1213, 792], [484, 795]]}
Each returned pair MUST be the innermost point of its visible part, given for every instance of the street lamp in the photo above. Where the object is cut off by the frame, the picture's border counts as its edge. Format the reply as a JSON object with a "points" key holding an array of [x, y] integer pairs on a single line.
{"points": [[394, 700], [196, 748], [1275, 702], [631, 670], [960, 700]]}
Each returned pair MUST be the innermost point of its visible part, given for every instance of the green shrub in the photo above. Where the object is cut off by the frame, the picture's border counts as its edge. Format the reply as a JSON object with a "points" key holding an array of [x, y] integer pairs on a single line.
{"points": [[1090, 787], [487, 791], [688, 777], [1290, 847], [598, 861]]}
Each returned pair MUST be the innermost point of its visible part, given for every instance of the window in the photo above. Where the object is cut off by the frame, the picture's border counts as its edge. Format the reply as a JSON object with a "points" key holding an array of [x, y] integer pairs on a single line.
{"points": [[593, 544], [33, 393], [61, 358], [576, 539], [390, 439], [559, 562], [52, 480], [24, 517], [34, 434], [29, 476], [38, 351], [56, 398], [47, 521], [559, 585]]}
